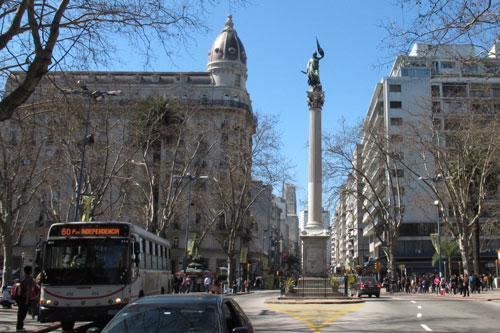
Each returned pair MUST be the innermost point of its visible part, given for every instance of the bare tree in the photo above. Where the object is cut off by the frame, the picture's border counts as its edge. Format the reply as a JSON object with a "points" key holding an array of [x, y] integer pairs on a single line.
{"points": [[442, 22], [363, 155], [170, 147], [40, 35], [20, 178], [246, 173], [463, 151], [86, 142]]}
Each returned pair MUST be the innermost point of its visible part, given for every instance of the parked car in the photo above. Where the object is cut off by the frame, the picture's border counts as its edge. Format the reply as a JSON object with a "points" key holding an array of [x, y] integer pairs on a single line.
{"points": [[180, 313], [368, 285]]}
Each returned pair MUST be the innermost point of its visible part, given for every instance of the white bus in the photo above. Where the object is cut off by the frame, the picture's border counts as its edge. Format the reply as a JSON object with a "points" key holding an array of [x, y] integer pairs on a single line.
{"points": [[90, 270]]}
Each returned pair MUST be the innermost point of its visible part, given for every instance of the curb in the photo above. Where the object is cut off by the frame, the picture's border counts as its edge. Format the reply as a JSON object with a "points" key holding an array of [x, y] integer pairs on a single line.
{"points": [[315, 301]]}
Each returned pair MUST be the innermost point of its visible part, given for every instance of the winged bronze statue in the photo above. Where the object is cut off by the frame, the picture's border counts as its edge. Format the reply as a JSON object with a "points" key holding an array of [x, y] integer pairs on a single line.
{"points": [[312, 69]]}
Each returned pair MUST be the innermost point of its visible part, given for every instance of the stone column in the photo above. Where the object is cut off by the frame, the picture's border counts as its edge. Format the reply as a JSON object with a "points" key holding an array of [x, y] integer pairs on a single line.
{"points": [[314, 236], [315, 100]]}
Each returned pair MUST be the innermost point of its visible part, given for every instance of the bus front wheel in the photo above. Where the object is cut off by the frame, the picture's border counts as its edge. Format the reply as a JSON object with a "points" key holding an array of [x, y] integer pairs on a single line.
{"points": [[67, 325]]}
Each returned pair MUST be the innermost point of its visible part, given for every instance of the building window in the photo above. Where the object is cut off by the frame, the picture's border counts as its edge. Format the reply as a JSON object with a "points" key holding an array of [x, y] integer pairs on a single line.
{"points": [[435, 91], [396, 138], [454, 90], [447, 64], [175, 243], [395, 88], [436, 107], [237, 80], [398, 121], [395, 104], [436, 122]]}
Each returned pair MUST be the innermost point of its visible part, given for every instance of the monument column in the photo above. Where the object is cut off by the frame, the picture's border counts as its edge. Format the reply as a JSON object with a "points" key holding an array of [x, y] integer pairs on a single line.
{"points": [[315, 235], [315, 101]]}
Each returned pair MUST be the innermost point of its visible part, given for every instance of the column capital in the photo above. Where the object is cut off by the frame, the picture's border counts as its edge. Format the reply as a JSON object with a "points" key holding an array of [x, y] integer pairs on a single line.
{"points": [[315, 98]]}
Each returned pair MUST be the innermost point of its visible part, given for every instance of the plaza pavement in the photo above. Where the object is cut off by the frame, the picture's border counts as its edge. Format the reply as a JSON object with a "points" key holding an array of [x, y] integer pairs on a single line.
{"points": [[8, 317]]}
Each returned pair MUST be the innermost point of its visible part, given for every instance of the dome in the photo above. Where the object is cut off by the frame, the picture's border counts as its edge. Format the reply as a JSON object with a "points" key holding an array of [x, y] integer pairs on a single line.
{"points": [[227, 45]]}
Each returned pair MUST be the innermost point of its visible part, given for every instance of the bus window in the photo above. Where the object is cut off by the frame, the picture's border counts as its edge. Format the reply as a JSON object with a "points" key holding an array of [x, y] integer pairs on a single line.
{"points": [[142, 264], [151, 254], [156, 256]]}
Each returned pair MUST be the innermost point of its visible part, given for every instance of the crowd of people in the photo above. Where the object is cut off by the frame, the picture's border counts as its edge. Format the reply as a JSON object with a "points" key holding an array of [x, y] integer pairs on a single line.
{"points": [[187, 284], [462, 284]]}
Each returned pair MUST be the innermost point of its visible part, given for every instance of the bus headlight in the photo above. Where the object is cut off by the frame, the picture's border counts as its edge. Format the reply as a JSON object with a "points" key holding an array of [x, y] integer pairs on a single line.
{"points": [[118, 300], [51, 302]]}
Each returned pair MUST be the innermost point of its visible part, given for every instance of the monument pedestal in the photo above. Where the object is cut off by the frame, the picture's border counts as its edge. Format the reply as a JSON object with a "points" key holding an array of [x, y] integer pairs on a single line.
{"points": [[314, 253]]}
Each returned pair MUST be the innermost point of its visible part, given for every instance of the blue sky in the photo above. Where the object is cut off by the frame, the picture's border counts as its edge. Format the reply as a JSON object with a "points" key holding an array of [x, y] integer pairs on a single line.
{"points": [[279, 37]]}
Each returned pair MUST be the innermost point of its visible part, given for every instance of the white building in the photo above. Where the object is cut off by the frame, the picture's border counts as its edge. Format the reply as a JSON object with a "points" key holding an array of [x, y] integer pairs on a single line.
{"points": [[421, 91]]}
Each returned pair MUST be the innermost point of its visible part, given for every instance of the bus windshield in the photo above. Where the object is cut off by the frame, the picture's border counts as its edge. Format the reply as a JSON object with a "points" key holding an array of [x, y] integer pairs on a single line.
{"points": [[86, 261]]}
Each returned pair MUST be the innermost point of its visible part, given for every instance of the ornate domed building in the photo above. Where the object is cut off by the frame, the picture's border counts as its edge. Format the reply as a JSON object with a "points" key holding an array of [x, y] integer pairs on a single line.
{"points": [[156, 150]]}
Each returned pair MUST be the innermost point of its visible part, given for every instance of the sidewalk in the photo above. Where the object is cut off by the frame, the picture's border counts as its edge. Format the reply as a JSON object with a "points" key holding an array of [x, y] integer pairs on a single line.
{"points": [[488, 295], [8, 319]]}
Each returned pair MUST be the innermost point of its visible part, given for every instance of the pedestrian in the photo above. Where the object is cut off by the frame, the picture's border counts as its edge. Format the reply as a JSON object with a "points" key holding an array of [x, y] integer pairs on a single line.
{"points": [[245, 286], [25, 297], [465, 285], [206, 283], [7, 300]]}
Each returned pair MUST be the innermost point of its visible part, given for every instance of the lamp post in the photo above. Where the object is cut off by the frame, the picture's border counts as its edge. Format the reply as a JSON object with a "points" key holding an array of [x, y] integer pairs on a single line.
{"points": [[96, 95], [435, 180], [190, 178], [436, 203]]}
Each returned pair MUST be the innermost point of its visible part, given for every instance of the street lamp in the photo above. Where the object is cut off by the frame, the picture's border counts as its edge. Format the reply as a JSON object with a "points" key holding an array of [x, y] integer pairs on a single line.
{"points": [[439, 177], [436, 203], [96, 95], [190, 178]]}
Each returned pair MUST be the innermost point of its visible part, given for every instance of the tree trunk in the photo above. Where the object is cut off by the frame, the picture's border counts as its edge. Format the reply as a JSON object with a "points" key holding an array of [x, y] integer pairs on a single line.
{"points": [[464, 249], [389, 253], [7, 256], [231, 265], [476, 248]]}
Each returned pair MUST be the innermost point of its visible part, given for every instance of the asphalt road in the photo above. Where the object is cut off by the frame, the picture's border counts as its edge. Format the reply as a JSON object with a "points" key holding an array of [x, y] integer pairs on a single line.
{"points": [[425, 313]]}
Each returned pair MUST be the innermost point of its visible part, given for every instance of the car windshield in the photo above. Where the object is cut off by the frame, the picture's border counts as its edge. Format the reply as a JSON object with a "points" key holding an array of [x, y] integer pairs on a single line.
{"points": [[86, 261], [165, 318]]}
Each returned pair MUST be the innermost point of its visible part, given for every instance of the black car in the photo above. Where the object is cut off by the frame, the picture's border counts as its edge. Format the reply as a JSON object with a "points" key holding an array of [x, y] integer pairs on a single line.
{"points": [[180, 313], [368, 285]]}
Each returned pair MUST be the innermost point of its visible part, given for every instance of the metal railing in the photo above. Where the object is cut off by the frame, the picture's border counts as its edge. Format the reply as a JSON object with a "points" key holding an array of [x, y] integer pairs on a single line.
{"points": [[332, 286]]}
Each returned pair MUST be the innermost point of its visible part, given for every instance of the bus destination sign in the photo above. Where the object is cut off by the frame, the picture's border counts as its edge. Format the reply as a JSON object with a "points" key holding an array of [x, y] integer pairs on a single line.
{"points": [[98, 230]]}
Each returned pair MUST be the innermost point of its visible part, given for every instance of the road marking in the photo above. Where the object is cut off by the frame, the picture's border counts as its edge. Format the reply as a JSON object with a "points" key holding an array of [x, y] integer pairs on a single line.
{"points": [[425, 327], [413, 302], [419, 307], [419, 315], [316, 316]]}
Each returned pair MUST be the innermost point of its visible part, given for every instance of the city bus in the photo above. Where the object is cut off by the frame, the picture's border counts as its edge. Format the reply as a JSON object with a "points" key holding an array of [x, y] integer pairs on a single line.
{"points": [[90, 270]]}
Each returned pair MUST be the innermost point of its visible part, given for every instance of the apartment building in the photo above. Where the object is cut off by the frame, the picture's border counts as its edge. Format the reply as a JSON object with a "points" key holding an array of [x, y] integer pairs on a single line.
{"points": [[424, 90]]}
